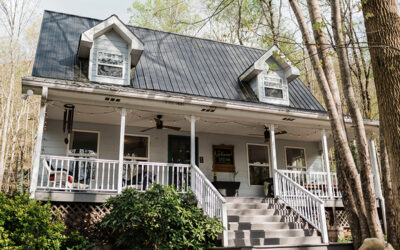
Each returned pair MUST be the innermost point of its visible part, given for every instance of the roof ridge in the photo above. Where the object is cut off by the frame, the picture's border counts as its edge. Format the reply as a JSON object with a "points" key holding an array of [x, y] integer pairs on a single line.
{"points": [[167, 32]]}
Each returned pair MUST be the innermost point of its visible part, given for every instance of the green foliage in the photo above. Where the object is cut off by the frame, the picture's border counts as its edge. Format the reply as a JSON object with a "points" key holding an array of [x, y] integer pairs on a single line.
{"points": [[160, 218], [28, 224], [75, 241]]}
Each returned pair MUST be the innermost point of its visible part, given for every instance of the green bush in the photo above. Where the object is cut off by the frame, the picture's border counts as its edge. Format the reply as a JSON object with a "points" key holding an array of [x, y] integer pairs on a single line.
{"points": [[28, 224], [160, 218]]}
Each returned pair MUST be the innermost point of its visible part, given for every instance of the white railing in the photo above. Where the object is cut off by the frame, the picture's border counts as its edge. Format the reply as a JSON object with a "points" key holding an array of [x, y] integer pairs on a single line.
{"points": [[209, 198], [70, 173], [141, 175], [303, 202], [315, 182]]}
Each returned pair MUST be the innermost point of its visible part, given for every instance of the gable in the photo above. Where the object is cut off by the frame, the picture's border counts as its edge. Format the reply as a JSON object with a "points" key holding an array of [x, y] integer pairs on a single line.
{"points": [[169, 63]]}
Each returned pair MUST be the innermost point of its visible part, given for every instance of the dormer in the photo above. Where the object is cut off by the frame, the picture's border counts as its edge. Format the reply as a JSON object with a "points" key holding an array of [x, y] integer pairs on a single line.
{"points": [[269, 77], [112, 51]]}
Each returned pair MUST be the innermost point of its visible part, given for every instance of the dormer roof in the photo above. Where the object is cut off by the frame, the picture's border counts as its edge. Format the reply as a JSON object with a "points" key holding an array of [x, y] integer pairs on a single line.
{"points": [[113, 22], [291, 71]]}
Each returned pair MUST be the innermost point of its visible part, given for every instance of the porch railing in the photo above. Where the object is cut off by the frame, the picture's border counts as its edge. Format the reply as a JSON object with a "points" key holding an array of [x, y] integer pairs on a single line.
{"points": [[315, 182], [302, 201]]}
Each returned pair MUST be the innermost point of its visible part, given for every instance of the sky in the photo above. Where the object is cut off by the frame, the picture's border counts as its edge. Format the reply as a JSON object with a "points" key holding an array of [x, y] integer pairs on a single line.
{"points": [[89, 8]]}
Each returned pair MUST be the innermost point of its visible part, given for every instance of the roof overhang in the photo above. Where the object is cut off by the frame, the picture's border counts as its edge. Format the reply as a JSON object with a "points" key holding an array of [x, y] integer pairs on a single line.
{"points": [[113, 22], [291, 72]]}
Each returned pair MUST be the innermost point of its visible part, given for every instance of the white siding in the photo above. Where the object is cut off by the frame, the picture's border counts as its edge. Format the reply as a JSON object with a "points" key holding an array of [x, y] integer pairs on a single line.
{"points": [[53, 144], [110, 42]]}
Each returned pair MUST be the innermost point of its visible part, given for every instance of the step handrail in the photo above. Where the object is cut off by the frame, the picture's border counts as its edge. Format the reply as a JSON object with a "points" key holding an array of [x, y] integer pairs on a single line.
{"points": [[303, 202], [209, 198]]}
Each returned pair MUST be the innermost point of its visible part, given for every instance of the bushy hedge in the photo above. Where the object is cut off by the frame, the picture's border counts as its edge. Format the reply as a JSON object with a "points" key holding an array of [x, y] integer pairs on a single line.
{"points": [[29, 224], [160, 218]]}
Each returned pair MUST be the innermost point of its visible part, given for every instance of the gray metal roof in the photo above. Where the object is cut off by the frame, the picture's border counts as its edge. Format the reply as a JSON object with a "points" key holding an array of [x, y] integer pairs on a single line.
{"points": [[170, 62]]}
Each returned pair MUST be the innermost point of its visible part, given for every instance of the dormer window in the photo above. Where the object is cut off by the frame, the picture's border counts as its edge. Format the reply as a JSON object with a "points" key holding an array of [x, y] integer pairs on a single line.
{"points": [[110, 64], [273, 86]]}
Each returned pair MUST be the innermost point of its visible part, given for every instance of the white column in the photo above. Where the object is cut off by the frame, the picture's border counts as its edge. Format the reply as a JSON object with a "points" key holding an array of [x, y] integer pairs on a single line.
{"points": [[273, 157], [377, 179], [326, 163], [121, 150], [192, 140], [38, 145]]}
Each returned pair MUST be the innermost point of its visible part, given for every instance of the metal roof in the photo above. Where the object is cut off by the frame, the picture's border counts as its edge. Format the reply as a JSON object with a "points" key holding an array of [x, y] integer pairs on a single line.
{"points": [[169, 63]]}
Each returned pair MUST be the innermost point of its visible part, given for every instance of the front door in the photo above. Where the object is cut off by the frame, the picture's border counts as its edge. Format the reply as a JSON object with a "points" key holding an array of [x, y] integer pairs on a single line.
{"points": [[179, 149]]}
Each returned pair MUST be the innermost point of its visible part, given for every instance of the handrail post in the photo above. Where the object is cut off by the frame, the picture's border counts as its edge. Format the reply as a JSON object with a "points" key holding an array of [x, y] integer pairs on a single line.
{"points": [[225, 224], [324, 229], [326, 161], [121, 150], [38, 145]]}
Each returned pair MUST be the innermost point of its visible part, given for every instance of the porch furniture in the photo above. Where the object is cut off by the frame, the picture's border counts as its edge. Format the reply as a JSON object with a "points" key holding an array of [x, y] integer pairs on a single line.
{"points": [[58, 177], [227, 188], [136, 180]]}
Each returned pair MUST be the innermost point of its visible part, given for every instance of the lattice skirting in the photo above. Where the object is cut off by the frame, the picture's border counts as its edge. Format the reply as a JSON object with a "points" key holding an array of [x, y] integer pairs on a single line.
{"points": [[82, 217], [341, 219]]}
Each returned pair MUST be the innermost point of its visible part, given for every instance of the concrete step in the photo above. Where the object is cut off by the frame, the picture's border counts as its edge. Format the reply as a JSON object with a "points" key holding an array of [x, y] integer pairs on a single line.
{"points": [[243, 234], [274, 241], [256, 218], [257, 211], [254, 206], [258, 226]]}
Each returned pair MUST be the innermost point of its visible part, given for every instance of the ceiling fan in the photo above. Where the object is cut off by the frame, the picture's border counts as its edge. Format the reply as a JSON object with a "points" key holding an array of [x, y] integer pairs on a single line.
{"points": [[267, 133], [160, 125]]}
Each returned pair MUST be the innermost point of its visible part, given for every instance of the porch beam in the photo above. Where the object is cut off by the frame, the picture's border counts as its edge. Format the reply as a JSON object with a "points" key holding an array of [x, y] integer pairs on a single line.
{"points": [[121, 150], [38, 144], [326, 163], [273, 157]]}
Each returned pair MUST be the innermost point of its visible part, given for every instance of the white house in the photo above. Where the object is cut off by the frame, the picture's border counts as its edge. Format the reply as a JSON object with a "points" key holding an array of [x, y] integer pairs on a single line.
{"points": [[124, 106]]}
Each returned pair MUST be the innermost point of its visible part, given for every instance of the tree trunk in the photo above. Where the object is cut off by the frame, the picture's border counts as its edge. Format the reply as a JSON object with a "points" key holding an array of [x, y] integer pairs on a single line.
{"points": [[375, 228], [382, 24], [393, 232]]}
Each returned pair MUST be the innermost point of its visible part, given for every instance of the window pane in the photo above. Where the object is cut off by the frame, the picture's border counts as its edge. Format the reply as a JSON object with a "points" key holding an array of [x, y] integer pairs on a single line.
{"points": [[258, 154], [295, 157], [105, 70], [136, 146], [270, 81], [258, 175], [83, 143], [110, 58], [277, 93]]}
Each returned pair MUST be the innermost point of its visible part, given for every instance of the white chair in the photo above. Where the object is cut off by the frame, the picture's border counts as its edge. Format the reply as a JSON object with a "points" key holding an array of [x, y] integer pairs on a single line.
{"points": [[58, 178]]}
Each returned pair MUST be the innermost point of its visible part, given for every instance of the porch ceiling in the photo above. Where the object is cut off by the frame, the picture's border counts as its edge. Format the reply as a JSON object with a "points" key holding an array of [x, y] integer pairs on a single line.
{"points": [[206, 124]]}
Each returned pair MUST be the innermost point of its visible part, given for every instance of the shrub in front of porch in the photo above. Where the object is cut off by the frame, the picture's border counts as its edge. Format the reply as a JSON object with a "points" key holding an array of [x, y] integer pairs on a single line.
{"points": [[160, 218]]}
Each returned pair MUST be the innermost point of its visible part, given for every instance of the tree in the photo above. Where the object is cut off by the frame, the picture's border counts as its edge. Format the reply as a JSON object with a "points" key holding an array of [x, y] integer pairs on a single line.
{"points": [[382, 25]]}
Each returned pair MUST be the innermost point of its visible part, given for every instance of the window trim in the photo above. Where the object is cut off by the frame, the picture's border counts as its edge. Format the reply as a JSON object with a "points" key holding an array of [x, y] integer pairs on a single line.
{"points": [[261, 165], [84, 155], [305, 158], [111, 65], [272, 87], [130, 158]]}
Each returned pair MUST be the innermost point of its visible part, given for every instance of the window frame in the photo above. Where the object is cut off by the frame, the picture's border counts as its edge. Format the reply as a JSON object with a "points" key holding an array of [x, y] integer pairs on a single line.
{"points": [[84, 155], [305, 159], [130, 158], [258, 165], [281, 88], [111, 65]]}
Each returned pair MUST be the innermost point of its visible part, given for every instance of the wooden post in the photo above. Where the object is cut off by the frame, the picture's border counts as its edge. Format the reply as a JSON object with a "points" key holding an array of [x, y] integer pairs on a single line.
{"points": [[377, 179], [225, 224], [121, 150], [192, 140], [326, 162], [273, 158], [38, 145]]}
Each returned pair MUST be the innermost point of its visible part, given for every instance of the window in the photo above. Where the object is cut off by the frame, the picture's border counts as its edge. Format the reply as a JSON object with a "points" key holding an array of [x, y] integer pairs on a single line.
{"points": [[84, 143], [137, 147], [295, 158], [273, 86], [110, 64], [258, 163]]}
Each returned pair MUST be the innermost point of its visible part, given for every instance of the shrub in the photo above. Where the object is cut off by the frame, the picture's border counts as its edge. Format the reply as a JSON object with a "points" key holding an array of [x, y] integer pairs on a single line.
{"points": [[160, 218], [28, 224]]}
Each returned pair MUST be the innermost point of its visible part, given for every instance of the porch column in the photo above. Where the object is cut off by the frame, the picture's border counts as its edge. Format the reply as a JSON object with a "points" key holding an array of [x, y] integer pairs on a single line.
{"points": [[273, 157], [38, 145], [377, 179], [121, 150], [326, 163], [192, 140]]}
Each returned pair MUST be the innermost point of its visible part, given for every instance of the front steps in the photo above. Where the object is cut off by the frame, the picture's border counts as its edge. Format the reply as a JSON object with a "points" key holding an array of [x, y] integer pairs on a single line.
{"points": [[257, 223]]}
